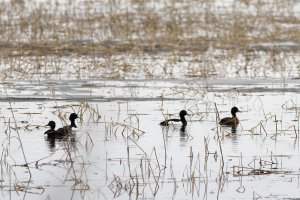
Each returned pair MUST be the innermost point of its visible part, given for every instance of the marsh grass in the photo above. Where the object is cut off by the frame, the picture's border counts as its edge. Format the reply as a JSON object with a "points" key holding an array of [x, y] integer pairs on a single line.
{"points": [[261, 166], [37, 36]]}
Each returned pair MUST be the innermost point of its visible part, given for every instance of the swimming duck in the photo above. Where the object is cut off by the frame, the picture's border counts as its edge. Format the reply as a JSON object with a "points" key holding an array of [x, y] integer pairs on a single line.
{"points": [[52, 133], [231, 121], [61, 132], [66, 130], [182, 119]]}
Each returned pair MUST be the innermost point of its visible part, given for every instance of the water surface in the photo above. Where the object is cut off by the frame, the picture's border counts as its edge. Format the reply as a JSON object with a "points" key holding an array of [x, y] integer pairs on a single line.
{"points": [[119, 150]]}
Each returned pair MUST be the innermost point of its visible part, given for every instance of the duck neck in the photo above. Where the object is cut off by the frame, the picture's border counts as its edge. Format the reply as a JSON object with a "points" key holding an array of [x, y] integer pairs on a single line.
{"points": [[183, 120], [73, 123], [233, 115]]}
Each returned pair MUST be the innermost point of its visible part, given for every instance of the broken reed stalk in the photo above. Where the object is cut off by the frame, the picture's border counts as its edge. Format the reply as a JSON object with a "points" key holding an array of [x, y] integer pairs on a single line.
{"points": [[156, 158], [36, 161], [221, 174], [23, 152], [19, 138], [206, 153], [106, 166], [275, 127], [262, 126], [218, 137], [128, 161], [143, 175], [217, 113], [67, 145], [165, 150], [137, 145]]}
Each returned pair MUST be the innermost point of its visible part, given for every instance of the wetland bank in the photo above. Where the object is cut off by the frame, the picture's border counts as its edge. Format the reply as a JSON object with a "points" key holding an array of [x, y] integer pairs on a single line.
{"points": [[125, 66]]}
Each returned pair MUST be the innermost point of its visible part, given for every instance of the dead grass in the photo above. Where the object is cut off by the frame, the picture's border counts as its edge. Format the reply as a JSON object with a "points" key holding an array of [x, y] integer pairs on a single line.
{"points": [[111, 39], [33, 28]]}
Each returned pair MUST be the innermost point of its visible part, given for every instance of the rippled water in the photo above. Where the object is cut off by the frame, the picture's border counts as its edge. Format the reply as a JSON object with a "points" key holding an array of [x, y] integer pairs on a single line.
{"points": [[126, 154]]}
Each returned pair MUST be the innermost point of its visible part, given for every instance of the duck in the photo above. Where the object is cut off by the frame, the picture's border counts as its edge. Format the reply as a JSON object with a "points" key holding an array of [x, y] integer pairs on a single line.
{"points": [[67, 130], [61, 132], [52, 133], [182, 119], [231, 121]]}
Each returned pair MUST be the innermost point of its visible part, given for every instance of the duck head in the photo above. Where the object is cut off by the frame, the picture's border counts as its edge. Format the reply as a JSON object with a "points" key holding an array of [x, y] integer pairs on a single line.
{"points": [[182, 113], [72, 118], [234, 110], [51, 124]]}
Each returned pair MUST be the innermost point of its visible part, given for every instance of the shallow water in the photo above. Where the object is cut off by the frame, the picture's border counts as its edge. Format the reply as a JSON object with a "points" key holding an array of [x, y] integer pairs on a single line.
{"points": [[154, 58], [126, 154]]}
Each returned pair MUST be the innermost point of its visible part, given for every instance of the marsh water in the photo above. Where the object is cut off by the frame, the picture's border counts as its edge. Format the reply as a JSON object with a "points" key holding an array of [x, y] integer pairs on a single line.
{"points": [[119, 151]]}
